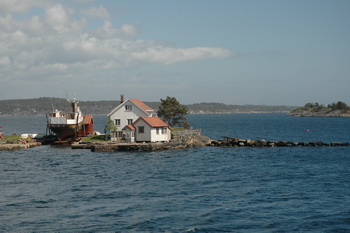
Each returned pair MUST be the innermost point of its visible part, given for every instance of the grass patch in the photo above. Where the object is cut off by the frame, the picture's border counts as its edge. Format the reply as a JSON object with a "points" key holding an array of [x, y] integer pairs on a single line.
{"points": [[95, 138], [11, 138]]}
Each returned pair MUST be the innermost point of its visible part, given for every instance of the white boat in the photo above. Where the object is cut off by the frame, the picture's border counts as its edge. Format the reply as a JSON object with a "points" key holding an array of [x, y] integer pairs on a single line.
{"points": [[66, 125]]}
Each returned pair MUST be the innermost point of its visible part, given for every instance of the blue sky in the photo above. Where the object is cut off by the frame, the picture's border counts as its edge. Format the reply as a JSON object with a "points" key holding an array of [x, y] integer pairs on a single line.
{"points": [[273, 52]]}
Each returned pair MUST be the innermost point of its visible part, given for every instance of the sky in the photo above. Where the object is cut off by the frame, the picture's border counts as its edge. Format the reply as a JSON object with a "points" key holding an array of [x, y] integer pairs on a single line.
{"points": [[271, 52]]}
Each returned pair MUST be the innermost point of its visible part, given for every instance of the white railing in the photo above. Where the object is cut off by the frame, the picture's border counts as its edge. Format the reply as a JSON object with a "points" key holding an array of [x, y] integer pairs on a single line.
{"points": [[58, 120]]}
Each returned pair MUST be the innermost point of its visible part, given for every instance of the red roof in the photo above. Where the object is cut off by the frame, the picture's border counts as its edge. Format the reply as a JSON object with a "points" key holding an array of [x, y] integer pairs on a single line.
{"points": [[154, 121], [87, 119], [131, 127], [142, 105]]}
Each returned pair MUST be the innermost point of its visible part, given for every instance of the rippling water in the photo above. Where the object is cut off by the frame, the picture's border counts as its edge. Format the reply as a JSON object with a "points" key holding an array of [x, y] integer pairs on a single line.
{"points": [[56, 189]]}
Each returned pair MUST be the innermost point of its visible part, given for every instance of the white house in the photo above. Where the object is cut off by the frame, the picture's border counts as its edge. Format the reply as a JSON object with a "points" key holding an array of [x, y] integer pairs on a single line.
{"points": [[126, 113], [151, 129]]}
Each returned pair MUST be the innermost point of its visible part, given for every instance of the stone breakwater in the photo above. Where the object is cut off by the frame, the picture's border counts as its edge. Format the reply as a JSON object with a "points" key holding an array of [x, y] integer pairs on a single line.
{"points": [[198, 141], [236, 142]]}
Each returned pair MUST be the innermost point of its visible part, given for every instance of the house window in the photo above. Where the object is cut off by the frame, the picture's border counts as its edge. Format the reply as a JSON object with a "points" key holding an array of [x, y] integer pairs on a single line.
{"points": [[141, 129], [128, 107], [164, 130], [117, 122], [130, 121], [157, 130]]}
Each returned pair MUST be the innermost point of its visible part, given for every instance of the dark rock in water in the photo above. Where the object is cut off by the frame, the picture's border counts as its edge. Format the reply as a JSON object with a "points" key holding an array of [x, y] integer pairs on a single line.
{"points": [[235, 142], [281, 143], [339, 144], [312, 143], [271, 144]]}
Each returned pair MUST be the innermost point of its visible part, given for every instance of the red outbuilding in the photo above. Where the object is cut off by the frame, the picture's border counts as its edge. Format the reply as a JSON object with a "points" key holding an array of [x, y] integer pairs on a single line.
{"points": [[88, 126]]}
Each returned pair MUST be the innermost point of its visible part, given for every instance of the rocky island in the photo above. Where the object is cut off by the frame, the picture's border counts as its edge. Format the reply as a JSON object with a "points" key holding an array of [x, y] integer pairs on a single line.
{"points": [[339, 109]]}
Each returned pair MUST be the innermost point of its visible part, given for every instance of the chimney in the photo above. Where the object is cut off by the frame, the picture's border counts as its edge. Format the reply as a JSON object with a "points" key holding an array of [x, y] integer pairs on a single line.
{"points": [[121, 98]]}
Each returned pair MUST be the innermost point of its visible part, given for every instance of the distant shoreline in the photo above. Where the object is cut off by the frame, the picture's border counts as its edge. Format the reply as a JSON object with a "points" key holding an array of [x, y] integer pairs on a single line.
{"points": [[255, 112], [43, 105], [190, 113]]}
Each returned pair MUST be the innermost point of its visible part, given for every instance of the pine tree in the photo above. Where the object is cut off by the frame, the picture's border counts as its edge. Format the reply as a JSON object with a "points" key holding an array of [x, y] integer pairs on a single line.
{"points": [[173, 112]]}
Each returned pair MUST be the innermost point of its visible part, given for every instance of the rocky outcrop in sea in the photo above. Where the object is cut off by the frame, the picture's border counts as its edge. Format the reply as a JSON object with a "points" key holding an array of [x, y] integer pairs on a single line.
{"points": [[319, 113]]}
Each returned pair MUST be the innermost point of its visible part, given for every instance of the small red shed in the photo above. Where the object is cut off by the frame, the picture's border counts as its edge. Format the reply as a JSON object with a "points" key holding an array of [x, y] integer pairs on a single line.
{"points": [[88, 126]]}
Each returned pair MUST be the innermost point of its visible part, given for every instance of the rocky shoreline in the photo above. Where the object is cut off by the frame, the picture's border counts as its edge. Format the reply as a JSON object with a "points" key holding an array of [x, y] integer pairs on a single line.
{"points": [[198, 141], [339, 109], [17, 146], [192, 142], [195, 141], [324, 113]]}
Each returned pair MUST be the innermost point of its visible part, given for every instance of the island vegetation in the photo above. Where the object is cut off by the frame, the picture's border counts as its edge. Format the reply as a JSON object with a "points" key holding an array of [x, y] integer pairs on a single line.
{"points": [[336, 109], [173, 112]]}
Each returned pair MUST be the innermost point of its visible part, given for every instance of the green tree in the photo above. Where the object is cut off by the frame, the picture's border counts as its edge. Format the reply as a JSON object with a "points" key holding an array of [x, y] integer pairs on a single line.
{"points": [[339, 106], [109, 127], [173, 112]]}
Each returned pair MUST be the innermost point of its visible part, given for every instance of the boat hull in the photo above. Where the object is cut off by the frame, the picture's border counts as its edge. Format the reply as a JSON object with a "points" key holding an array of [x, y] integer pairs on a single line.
{"points": [[65, 131]]}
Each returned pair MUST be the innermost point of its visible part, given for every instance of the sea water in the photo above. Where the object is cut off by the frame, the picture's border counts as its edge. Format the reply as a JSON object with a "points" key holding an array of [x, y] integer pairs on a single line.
{"points": [[303, 189]]}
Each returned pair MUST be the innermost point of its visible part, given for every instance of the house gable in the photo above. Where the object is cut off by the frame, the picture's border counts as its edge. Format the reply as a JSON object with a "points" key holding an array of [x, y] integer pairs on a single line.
{"points": [[136, 103]]}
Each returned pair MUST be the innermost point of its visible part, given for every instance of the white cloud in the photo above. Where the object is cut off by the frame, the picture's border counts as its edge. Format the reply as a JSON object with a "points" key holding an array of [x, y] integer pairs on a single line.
{"points": [[107, 30], [17, 6], [97, 12], [167, 55], [57, 18], [35, 24], [58, 42], [5, 60], [129, 30]]}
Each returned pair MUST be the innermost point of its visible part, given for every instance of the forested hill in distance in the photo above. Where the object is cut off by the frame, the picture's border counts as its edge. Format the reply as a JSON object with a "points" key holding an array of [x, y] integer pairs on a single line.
{"points": [[338, 109], [43, 105]]}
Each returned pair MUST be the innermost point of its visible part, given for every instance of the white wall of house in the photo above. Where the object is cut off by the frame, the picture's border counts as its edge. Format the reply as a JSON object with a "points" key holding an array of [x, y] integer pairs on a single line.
{"points": [[150, 134], [144, 136], [161, 134]]}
